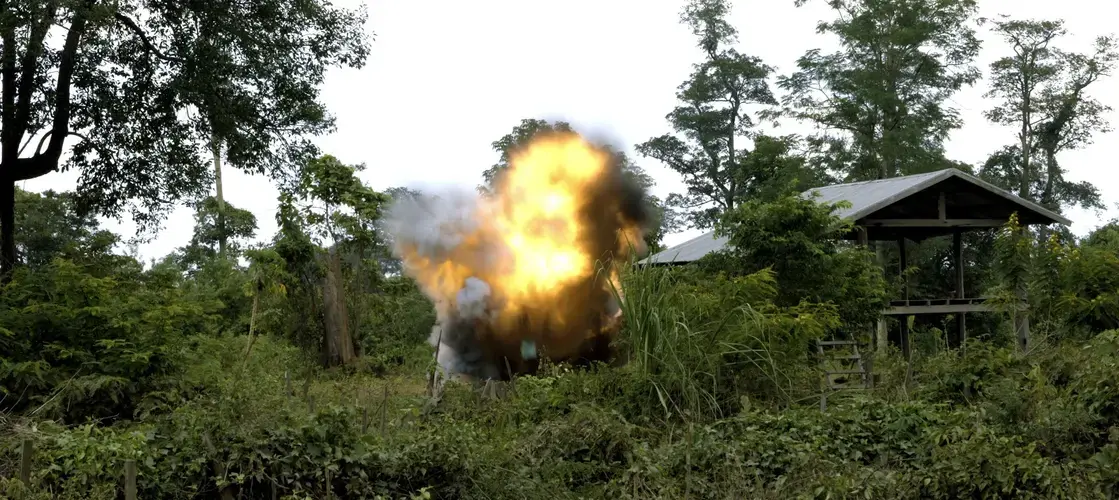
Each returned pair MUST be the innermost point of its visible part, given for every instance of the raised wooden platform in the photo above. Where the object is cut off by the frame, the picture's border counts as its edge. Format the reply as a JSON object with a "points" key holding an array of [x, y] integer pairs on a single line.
{"points": [[914, 307]]}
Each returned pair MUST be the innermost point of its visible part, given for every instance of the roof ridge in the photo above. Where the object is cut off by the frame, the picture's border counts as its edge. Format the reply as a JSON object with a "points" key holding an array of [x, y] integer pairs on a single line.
{"points": [[888, 179]]}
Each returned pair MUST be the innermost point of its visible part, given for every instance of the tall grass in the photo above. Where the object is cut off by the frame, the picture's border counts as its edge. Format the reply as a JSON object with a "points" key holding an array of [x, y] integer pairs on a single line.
{"points": [[700, 349], [664, 351]]}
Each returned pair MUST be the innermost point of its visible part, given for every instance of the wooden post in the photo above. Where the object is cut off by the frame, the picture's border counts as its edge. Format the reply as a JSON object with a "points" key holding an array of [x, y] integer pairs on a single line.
{"points": [[287, 383], [879, 331], [311, 404], [364, 419], [25, 461], [903, 321], [961, 318], [903, 263], [384, 410], [130, 480], [868, 369], [329, 484]]}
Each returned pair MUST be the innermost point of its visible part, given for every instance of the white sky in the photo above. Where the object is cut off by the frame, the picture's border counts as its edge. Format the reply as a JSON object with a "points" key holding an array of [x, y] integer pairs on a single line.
{"points": [[446, 78]]}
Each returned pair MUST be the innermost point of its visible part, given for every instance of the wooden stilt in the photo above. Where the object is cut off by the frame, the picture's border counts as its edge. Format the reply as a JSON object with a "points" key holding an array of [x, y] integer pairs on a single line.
{"points": [[903, 263], [960, 336]]}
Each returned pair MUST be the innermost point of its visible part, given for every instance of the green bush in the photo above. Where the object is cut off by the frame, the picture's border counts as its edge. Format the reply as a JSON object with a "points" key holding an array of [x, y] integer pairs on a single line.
{"points": [[801, 241], [79, 346]]}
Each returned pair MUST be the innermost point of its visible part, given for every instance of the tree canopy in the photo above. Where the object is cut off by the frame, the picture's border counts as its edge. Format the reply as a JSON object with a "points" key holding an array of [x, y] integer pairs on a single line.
{"points": [[140, 86]]}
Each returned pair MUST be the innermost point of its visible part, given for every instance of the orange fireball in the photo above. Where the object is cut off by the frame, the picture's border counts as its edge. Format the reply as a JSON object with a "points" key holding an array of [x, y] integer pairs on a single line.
{"points": [[545, 244]]}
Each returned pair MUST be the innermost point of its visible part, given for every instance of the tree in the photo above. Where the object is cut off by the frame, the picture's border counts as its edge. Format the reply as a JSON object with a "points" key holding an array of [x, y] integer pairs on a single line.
{"points": [[880, 99], [712, 122], [332, 208], [218, 231], [49, 227], [1041, 92], [126, 72], [530, 128], [801, 241]]}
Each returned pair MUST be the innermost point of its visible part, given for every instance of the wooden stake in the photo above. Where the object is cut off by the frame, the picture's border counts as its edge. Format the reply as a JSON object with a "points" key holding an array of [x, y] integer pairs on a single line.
{"points": [[25, 462], [130, 480], [384, 409]]}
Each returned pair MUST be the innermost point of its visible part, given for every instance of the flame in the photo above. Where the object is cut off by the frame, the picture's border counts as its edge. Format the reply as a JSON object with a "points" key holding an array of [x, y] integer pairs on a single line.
{"points": [[545, 243]]}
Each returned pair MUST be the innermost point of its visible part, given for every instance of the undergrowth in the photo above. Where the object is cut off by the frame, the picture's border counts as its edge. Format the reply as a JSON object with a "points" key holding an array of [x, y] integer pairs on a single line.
{"points": [[717, 401]]}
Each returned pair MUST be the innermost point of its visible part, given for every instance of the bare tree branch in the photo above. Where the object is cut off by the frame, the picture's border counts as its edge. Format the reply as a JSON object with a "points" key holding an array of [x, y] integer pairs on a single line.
{"points": [[128, 22]]}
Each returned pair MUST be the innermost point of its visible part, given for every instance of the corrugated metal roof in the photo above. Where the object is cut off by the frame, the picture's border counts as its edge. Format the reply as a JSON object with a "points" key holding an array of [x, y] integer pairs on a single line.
{"points": [[864, 197], [867, 196], [688, 251]]}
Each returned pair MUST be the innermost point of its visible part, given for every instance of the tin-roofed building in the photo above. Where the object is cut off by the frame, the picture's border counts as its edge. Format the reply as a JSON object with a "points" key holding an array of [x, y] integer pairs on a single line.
{"points": [[914, 208]]}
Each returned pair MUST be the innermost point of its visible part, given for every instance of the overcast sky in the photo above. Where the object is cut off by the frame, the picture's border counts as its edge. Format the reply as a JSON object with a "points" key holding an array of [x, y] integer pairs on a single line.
{"points": [[446, 78]]}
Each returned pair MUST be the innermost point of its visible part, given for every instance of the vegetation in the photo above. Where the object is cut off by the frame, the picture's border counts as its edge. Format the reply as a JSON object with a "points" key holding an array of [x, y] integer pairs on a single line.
{"points": [[299, 365]]}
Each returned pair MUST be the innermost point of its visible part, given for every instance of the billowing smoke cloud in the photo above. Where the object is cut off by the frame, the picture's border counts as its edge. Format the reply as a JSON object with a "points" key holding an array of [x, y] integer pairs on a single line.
{"points": [[528, 272]]}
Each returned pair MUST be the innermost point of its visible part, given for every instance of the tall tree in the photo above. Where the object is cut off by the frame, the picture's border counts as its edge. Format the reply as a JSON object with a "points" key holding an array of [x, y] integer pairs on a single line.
{"points": [[881, 98], [1042, 93], [529, 128], [123, 74], [1015, 80], [713, 124], [332, 208], [218, 228]]}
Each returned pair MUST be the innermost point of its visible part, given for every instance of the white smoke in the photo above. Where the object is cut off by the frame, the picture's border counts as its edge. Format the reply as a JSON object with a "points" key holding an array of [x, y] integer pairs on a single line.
{"points": [[472, 300], [434, 227]]}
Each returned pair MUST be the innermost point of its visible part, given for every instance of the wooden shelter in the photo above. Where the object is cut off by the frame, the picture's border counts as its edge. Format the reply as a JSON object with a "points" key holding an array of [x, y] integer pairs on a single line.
{"points": [[912, 208]]}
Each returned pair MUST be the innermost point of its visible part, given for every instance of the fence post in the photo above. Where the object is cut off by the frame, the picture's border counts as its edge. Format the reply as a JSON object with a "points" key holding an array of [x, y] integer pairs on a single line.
{"points": [[287, 383], [130, 480], [311, 404], [25, 461], [364, 419]]}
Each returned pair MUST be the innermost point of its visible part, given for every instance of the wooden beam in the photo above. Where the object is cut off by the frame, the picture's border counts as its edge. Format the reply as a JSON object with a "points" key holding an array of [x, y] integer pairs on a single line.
{"points": [[931, 223], [942, 207], [937, 309]]}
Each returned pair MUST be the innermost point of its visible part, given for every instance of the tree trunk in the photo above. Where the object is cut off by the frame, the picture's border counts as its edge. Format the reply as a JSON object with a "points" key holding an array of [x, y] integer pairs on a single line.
{"points": [[1024, 140], [215, 148], [7, 229], [338, 344]]}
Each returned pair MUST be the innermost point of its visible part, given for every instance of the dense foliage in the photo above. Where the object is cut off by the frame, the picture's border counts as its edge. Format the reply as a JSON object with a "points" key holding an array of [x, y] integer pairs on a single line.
{"points": [[299, 365]]}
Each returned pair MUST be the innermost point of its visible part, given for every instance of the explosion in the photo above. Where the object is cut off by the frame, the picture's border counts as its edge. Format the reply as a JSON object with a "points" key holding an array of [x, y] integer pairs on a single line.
{"points": [[529, 271]]}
